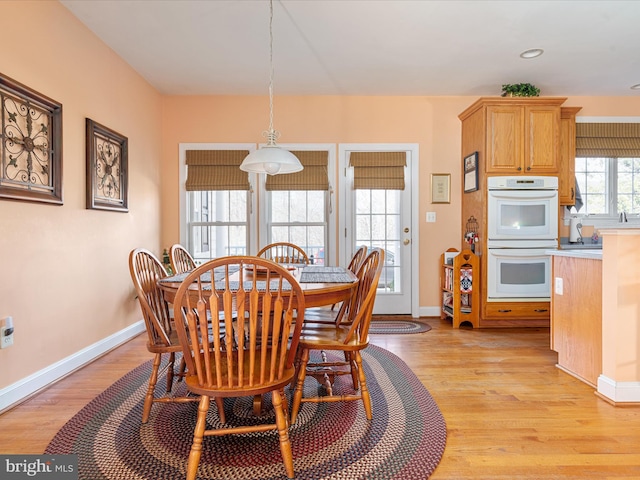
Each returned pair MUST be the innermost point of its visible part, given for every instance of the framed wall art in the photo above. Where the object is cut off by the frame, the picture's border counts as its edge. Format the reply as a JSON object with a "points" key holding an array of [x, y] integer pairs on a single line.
{"points": [[440, 188], [31, 144], [470, 168], [107, 168]]}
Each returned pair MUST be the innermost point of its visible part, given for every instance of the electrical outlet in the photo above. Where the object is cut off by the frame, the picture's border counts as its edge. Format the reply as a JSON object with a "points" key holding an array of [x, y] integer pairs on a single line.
{"points": [[431, 217], [559, 285], [6, 340]]}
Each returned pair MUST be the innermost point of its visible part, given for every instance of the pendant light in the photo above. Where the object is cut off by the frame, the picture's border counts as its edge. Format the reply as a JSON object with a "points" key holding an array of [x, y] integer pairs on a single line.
{"points": [[271, 159]]}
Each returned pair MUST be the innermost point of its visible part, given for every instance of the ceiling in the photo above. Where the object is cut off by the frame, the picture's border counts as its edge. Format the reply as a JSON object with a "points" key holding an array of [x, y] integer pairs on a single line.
{"points": [[373, 47]]}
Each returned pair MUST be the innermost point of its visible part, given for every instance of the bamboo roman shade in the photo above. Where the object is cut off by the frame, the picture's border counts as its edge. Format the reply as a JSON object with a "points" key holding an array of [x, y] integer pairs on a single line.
{"points": [[216, 170], [313, 177], [378, 170], [608, 140]]}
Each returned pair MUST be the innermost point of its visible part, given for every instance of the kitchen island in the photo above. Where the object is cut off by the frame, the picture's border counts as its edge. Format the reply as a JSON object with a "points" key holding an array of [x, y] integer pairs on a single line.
{"points": [[595, 320], [576, 312]]}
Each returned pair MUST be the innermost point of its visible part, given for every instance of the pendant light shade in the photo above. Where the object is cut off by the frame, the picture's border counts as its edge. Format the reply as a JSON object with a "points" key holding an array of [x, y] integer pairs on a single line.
{"points": [[271, 159]]}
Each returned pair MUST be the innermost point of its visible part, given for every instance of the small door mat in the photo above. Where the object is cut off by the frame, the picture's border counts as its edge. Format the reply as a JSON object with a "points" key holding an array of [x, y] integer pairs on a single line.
{"points": [[381, 325]]}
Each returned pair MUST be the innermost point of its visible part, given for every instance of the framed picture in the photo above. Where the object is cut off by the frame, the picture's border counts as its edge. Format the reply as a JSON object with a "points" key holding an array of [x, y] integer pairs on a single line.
{"points": [[107, 169], [470, 167], [30, 144], [440, 188]]}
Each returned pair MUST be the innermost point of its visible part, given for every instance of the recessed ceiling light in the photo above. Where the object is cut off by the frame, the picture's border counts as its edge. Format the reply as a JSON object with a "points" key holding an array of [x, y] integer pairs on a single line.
{"points": [[532, 53], [635, 87]]}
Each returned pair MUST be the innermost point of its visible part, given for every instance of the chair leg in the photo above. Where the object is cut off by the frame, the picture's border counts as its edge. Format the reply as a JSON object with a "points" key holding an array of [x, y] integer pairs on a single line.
{"points": [[354, 369], [170, 373], [182, 370], [297, 393], [283, 431], [364, 390], [220, 405], [153, 379], [198, 436]]}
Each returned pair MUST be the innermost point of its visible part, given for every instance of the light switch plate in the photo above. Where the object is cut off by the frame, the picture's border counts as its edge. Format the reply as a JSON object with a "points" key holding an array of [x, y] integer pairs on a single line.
{"points": [[559, 286], [431, 217]]}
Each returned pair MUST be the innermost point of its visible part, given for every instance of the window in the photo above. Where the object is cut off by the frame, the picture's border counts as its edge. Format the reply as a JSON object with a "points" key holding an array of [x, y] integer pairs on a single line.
{"points": [[225, 211], [217, 223], [299, 217], [298, 205], [609, 186], [217, 204], [607, 169]]}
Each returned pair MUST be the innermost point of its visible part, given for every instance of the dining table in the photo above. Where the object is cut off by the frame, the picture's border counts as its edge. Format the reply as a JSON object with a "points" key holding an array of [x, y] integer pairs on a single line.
{"points": [[322, 285]]}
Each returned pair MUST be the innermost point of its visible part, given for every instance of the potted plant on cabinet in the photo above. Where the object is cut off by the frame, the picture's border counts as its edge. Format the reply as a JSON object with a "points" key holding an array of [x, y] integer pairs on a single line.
{"points": [[520, 90]]}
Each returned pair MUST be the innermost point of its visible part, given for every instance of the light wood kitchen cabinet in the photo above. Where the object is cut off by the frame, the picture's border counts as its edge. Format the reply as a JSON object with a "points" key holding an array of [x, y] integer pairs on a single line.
{"points": [[576, 316], [521, 135], [567, 174], [513, 136], [532, 314], [523, 139]]}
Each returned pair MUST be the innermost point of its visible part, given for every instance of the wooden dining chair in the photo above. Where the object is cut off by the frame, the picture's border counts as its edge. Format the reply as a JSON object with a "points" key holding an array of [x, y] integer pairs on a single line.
{"points": [[256, 356], [284, 252], [180, 258], [328, 315], [146, 270], [349, 339]]}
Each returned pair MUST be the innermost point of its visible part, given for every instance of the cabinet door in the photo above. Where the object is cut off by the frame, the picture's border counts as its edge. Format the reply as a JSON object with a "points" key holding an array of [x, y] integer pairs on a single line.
{"points": [[567, 167], [504, 145], [542, 141]]}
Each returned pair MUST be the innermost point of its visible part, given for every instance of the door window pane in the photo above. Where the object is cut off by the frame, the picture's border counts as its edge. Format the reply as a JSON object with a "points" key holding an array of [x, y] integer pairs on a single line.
{"points": [[378, 226]]}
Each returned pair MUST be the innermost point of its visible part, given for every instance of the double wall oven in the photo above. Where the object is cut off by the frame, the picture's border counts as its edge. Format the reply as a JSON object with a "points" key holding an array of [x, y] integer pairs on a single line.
{"points": [[522, 222]]}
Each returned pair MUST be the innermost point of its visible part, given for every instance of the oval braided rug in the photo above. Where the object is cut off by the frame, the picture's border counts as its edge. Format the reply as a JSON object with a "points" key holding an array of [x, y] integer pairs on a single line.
{"points": [[404, 441]]}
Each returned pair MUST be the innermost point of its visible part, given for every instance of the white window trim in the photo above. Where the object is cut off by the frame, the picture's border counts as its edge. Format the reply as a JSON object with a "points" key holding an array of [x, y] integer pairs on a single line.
{"points": [[330, 148], [182, 178]]}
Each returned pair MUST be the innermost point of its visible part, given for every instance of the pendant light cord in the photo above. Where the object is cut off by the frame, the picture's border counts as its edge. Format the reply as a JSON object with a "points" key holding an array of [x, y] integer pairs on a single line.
{"points": [[271, 135]]}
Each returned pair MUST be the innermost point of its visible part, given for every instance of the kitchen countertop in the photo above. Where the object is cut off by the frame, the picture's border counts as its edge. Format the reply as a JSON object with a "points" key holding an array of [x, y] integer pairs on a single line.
{"points": [[589, 253]]}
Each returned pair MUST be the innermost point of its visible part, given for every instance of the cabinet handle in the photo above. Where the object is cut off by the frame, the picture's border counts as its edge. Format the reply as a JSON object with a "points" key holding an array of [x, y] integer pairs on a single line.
{"points": [[528, 168], [573, 193], [504, 311], [541, 310], [519, 168]]}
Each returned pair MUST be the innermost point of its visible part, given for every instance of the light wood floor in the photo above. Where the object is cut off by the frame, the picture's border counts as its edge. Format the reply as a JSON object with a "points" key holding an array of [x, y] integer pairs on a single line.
{"points": [[510, 413]]}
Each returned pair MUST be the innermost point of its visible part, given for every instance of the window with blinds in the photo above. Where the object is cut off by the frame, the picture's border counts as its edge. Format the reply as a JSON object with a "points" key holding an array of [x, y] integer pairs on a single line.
{"points": [[608, 168], [378, 170], [298, 205], [218, 199]]}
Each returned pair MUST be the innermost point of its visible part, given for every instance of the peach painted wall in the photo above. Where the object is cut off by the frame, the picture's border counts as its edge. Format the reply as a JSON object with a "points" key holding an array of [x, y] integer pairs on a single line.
{"points": [[65, 277], [431, 122]]}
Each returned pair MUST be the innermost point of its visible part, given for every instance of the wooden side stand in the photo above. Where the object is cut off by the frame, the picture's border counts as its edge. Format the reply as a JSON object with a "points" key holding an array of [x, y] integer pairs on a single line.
{"points": [[460, 286]]}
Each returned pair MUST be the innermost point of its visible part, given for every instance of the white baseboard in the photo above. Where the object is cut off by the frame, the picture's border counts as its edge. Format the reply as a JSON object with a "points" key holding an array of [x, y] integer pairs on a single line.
{"points": [[17, 392], [429, 311], [619, 392]]}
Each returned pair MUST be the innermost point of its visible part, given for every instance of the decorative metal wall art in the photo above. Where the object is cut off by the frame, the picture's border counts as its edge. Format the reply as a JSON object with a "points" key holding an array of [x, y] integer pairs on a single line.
{"points": [[107, 168], [31, 144]]}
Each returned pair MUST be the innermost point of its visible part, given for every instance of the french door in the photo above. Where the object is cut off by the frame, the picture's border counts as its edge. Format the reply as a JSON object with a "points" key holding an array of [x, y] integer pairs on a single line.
{"points": [[383, 217]]}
